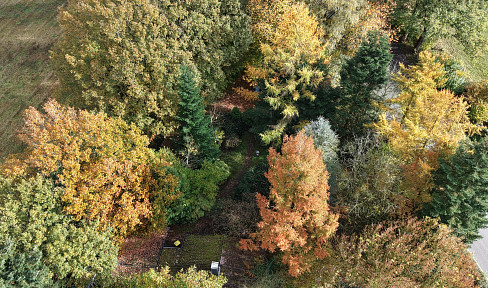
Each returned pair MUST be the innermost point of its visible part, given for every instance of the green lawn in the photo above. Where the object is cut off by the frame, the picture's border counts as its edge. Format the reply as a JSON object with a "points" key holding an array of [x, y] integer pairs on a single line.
{"points": [[235, 157], [198, 250], [28, 29]]}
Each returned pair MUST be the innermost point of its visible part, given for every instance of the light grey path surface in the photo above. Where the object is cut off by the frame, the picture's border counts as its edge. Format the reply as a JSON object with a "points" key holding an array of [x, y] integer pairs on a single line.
{"points": [[480, 250]]}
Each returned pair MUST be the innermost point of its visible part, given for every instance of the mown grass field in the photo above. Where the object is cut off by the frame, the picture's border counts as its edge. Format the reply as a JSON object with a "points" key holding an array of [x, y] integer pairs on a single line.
{"points": [[28, 29]]}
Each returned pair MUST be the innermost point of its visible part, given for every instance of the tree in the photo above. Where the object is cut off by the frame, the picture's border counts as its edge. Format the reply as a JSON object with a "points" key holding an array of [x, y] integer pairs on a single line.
{"points": [[296, 217], [477, 96], [122, 57], [104, 165], [196, 129], [423, 124], [460, 196], [346, 23], [198, 188], [290, 42], [32, 218], [404, 253], [368, 185], [325, 139], [216, 33], [119, 57], [425, 22], [21, 268], [361, 75]]}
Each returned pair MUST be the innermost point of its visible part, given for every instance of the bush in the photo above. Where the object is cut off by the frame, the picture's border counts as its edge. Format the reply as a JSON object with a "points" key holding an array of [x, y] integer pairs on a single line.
{"points": [[198, 189], [162, 279], [254, 181]]}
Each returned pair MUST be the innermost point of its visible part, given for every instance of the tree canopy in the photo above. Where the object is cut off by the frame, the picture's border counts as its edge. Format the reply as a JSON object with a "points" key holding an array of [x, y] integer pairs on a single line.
{"points": [[122, 57], [296, 217], [426, 21], [104, 164], [32, 217], [404, 253], [426, 123], [460, 195]]}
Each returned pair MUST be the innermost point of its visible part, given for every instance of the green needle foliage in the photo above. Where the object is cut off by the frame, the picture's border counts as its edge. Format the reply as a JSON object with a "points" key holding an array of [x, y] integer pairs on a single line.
{"points": [[460, 197], [196, 134], [360, 76]]}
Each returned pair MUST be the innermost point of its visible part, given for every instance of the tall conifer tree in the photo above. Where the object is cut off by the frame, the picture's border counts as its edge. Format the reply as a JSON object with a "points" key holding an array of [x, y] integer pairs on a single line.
{"points": [[460, 197], [360, 76], [196, 134]]}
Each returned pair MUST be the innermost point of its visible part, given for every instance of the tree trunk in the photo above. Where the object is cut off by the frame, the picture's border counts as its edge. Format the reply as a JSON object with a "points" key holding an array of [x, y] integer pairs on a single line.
{"points": [[420, 41]]}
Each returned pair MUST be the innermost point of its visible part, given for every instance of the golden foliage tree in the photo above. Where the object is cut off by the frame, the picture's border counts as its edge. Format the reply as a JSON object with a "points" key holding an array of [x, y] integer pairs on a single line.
{"points": [[424, 123], [296, 216], [295, 38], [290, 40], [103, 164]]}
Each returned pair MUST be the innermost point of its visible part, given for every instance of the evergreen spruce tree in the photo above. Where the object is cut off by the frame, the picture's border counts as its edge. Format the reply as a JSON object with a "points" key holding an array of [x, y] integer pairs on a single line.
{"points": [[460, 197], [360, 76], [196, 134]]}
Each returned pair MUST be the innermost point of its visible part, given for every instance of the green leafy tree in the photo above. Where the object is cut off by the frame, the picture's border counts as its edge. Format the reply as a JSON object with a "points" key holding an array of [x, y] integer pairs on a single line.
{"points": [[216, 33], [119, 57], [122, 57], [32, 217], [198, 188], [196, 132], [460, 196], [426, 21], [361, 75]]}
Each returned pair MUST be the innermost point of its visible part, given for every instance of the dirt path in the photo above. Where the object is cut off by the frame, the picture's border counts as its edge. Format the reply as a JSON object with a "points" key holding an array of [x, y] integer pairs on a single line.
{"points": [[231, 184]]}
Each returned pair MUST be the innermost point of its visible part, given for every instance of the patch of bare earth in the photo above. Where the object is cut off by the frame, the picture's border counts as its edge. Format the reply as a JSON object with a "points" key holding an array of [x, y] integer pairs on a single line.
{"points": [[139, 254], [233, 99]]}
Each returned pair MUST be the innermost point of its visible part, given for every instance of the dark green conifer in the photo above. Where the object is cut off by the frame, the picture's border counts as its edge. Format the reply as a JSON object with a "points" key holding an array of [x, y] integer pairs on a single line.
{"points": [[360, 77], [196, 133], [460, 197]]}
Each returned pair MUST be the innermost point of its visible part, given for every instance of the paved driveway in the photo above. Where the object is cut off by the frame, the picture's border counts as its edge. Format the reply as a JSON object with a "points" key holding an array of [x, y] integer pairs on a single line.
{"points": [[480, 250]]}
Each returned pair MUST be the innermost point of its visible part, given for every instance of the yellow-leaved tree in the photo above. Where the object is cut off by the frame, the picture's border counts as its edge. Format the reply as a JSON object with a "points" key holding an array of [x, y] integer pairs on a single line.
{"points": [[422, 124], [104, 165], [290, 40], [297, 39]]}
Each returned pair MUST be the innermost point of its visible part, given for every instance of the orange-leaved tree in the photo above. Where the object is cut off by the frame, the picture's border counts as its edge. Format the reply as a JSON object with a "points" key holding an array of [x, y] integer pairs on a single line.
{"points": [[296, 219], [424, 123], [104, 165]]}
